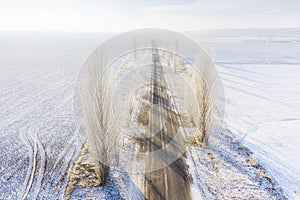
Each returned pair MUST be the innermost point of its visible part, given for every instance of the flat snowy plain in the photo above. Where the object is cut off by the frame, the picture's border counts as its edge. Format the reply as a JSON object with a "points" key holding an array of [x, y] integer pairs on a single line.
{"points": [[260, 70]]}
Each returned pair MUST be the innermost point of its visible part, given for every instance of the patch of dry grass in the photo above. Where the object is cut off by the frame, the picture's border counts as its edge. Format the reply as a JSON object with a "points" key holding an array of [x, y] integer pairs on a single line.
{"points": [[85, 173]]}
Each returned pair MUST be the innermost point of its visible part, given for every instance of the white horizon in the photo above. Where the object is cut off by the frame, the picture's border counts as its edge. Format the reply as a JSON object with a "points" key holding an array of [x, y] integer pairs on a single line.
{"points": [[118, 16]]}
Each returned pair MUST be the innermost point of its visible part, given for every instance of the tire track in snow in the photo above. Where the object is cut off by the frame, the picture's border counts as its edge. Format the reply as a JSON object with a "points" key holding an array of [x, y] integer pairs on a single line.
{"points": [[29, 147], [64, 152], [55, 179], [37, 162], [37, 179]]}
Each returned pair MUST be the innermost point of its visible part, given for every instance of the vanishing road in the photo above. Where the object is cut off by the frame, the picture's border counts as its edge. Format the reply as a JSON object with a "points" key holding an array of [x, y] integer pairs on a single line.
{"points": [[163, 141]]}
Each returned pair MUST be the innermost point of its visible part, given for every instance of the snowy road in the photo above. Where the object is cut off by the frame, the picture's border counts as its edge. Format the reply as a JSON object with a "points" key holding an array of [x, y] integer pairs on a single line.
{"points": [[170, 181]]}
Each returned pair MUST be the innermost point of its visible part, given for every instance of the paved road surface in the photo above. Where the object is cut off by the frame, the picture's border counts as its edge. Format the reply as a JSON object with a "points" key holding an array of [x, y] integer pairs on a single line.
{"points": [[162, 130]]}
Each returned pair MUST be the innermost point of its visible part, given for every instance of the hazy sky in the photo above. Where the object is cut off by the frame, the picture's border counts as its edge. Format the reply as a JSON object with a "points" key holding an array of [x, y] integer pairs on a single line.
{"points": [[121, 15]]}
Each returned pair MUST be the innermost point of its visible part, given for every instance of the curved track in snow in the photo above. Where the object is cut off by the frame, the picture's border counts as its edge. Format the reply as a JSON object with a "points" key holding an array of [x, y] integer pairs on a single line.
{"points": [[37, 163], [40, 176]]}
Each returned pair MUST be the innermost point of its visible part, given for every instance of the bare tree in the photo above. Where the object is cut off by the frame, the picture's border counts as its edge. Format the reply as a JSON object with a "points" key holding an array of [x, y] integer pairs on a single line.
{"points": [[98, 117], [204, 100], [206, 111]]}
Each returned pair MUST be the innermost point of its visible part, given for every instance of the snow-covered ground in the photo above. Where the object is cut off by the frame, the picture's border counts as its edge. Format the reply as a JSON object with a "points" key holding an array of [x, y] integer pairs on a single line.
{"points": [[262, 89], [263, 110], [259, 69], [39, 134]]}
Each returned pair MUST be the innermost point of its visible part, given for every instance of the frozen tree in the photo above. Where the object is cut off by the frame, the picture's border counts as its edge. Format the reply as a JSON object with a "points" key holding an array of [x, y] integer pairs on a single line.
{"points": [[98, 117], [206, 111], [203, 93]]}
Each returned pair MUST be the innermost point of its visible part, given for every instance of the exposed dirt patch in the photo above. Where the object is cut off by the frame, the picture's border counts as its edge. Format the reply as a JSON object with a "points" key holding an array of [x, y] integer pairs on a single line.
{"points": [[85, 173]]}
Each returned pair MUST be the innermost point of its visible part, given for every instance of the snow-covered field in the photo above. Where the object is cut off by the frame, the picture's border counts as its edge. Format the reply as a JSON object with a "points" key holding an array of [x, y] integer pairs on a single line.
{"points": [[38, 130], [262, 89], [259, 69]]}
